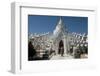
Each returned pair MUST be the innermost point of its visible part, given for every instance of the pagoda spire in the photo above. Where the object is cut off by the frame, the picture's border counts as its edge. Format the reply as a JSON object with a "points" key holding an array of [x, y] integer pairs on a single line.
{"points": [[60, 21], [59, 26]]}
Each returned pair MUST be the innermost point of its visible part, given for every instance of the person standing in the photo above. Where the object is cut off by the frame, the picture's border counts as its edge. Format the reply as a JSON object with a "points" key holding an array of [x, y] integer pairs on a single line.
{"points": [[31, 51]]}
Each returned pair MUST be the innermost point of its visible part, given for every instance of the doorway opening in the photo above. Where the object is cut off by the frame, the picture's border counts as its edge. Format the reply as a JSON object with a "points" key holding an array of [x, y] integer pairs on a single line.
{"points": [[61, 45]]}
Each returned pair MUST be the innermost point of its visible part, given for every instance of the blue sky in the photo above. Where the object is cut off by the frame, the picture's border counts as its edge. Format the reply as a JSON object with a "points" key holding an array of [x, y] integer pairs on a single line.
{"points": [[41, 24]]}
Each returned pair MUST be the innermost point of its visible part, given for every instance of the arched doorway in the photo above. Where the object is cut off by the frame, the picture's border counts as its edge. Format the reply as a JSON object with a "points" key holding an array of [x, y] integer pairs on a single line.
{"points": [[61, 45]]}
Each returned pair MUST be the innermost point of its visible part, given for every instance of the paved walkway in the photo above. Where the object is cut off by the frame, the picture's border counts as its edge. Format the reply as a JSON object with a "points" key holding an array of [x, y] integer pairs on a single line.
{"points": [[57, 57]]}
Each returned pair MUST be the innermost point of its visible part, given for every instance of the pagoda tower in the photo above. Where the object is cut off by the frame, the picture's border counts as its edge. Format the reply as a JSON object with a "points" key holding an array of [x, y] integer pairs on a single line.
{"points": [[60, 37]]}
